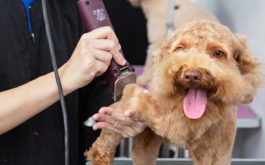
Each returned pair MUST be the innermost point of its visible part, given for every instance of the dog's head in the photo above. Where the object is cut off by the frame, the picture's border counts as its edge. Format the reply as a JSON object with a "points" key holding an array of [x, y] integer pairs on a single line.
{"points": [[204, 61]]}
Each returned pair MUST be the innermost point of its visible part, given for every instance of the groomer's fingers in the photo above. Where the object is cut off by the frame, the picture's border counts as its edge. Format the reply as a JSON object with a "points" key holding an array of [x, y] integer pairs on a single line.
{"points": [[119, 116], [102, 56], [118, 57], [115, 119], [107, 114], [110, 47], [104, 118], [112, 112], [120, 129], [122, 125], [124, 132], [105, 44], [106, 33], [131, 118], [108, 126], [105, 110]]}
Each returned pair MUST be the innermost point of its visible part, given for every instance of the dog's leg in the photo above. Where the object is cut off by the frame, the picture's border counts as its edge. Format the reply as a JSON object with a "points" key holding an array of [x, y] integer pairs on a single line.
{"points": [[209, 158], [103, 149], [146, 148]]}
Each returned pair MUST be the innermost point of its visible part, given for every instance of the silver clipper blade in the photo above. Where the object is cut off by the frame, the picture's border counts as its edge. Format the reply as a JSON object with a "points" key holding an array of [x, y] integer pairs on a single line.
{"points": [[125, 78]]}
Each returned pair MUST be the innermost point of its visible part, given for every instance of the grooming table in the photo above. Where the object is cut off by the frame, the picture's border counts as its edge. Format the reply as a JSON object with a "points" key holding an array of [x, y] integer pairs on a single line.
{"points": [[183, 161], [246, 118]]}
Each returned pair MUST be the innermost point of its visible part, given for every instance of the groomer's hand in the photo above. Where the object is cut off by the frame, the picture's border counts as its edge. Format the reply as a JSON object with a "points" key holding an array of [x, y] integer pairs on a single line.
{"points": [[127, 124], [90, 58]]}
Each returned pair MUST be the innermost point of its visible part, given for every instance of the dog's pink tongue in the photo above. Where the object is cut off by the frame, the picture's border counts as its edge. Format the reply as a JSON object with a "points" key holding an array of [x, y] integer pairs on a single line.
{"points": [[195, 103]]}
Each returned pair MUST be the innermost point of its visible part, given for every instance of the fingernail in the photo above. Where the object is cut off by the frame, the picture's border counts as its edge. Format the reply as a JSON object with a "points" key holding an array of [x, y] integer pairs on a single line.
{"points": [[94, 128], [105, 111], [95, 117], [122, 60], [102, 110]]}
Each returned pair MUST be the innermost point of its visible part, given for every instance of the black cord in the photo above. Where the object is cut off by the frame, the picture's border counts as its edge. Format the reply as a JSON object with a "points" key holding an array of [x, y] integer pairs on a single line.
{"points": [[54, 65]]}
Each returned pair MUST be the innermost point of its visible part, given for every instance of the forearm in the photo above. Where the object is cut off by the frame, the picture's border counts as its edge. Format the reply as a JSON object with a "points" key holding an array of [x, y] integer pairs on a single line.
{"points": [[21, 103]]}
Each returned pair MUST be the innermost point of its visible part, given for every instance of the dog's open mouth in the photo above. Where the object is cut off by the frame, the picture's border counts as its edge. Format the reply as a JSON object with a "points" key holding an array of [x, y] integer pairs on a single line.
{"points": [[198, 86], [194, 103]]}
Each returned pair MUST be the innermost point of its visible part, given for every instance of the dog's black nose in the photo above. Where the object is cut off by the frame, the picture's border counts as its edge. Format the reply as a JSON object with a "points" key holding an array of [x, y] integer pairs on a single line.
{"points": [[192, 76]]}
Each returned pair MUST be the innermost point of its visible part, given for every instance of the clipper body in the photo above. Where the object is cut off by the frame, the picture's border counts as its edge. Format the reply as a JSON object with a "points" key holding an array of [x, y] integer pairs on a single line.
{"points": [[94, 15]]}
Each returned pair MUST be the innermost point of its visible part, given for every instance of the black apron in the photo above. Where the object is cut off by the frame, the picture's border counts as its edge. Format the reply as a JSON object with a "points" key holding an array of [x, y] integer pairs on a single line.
{"points": [[40, 140]]}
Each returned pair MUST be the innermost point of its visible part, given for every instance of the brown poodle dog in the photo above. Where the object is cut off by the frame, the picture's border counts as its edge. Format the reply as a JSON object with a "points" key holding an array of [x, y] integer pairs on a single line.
{"points": [[201, 73]]}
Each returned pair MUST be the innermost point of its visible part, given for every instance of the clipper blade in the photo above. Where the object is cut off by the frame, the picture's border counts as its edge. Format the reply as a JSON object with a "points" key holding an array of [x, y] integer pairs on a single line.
{"points": [[123, 80]]}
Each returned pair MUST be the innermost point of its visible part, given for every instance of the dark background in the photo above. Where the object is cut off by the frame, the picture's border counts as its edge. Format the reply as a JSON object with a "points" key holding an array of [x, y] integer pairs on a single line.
{"points": [[130, 27]]}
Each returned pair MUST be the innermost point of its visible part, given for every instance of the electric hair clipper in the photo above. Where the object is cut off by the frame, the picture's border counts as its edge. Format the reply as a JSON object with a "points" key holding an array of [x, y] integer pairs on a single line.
{"points": [[94, 15]]}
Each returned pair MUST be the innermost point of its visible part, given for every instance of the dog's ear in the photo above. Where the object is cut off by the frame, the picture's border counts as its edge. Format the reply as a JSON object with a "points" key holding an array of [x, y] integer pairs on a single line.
{"points": [[249, 68], [247, 62]]}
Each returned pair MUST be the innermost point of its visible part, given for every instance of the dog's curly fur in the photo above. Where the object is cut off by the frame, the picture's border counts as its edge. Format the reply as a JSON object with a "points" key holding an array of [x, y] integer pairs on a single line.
{"points": [[229, 80]]}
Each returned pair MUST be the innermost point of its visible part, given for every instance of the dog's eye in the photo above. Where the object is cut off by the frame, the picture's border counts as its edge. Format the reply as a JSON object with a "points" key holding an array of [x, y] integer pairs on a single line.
{"points": [[218, 54], [179, 48]]}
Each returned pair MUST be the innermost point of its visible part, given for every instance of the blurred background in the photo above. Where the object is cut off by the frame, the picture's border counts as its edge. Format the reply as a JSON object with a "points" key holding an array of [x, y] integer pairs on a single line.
{"points": [[241, 16]]}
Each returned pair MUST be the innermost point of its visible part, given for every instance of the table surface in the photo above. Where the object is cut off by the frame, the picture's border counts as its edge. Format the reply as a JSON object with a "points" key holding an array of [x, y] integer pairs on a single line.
{"points": [[184, 161], [246, 117]]}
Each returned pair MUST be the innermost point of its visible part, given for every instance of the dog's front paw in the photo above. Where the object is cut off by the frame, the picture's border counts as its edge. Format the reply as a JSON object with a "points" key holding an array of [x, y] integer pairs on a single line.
{"points": [[98, 156]]}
